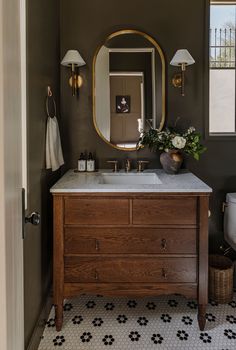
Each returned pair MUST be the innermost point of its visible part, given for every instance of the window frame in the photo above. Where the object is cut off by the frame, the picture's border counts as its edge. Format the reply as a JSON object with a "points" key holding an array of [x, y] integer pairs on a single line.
{"points": [[218, 136]]}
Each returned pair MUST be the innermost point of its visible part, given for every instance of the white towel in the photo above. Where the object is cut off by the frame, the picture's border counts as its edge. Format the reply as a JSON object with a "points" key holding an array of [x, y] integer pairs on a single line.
{"points": [[54, 156]]}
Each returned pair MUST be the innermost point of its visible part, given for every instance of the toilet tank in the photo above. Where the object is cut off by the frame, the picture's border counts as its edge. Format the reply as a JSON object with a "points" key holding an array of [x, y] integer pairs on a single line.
{"points": [[230, 220]]}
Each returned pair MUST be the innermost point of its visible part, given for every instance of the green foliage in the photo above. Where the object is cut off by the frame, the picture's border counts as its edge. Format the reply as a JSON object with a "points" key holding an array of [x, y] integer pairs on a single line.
{"points": [[188, 142]]}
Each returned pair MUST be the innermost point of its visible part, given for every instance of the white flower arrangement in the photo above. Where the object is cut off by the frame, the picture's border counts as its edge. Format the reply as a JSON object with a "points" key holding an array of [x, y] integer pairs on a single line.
{"points": [[178, 142], [168, 139]]}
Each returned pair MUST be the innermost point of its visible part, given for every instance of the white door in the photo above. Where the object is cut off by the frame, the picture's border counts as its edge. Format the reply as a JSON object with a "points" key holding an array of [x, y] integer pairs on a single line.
{"points": [[11, 243]]}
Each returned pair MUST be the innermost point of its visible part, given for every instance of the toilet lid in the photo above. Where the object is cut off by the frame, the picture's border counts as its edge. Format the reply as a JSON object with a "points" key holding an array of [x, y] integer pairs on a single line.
{"points": [[231, 197]]}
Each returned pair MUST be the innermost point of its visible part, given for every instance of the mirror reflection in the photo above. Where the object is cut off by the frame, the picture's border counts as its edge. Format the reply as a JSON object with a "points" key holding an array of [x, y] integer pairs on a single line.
{"points": [[129, 88]]}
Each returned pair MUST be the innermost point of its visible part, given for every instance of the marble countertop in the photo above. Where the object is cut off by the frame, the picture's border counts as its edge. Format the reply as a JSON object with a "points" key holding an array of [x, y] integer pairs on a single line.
{"points": [[74, 182]]}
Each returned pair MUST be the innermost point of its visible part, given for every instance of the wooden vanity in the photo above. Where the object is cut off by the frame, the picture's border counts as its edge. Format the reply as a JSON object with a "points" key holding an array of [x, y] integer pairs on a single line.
{"points": [[134, 244]]}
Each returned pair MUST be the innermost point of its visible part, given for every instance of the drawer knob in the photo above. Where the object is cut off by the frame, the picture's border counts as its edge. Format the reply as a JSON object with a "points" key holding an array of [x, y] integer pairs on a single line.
{"points": [[96, 275], [96, 244], [163, 244], [164, 273]]}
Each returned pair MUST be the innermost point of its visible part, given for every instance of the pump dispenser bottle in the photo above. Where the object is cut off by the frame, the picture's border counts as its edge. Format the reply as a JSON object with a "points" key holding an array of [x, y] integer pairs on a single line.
{"points": [[90, 163], [82, 163]]}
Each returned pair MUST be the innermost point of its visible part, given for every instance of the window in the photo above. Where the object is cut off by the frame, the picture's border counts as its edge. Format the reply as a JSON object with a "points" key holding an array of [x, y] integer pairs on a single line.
{"points": [[222, 68]]}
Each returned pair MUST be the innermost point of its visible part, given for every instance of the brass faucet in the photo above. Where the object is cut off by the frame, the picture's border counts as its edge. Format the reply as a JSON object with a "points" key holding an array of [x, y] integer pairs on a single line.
{"points": [[140, 165], [127, 165], [115, 165]]}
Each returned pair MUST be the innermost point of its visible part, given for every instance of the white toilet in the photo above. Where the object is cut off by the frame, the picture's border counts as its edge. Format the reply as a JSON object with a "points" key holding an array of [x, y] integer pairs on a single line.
{"points": [[230, 224], [230, 220]]}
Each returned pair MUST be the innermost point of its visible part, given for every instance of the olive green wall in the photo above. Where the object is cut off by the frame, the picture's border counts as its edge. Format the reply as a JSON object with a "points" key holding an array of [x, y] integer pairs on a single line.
{"points": [[42, 70], [174, 24]]}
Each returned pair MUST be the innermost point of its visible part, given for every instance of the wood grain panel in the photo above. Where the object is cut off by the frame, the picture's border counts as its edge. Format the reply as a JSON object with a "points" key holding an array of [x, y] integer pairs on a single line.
{"points": [[135, 244], [189, 290], [80, 240], [96, 211], [166, 210], [135, 269]]}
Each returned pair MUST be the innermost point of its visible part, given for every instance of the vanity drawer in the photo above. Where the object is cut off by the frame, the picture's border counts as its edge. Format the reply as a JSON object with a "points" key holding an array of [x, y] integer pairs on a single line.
{"points": [[96, 211], [138, 269], [168, 210], [79, 240]]}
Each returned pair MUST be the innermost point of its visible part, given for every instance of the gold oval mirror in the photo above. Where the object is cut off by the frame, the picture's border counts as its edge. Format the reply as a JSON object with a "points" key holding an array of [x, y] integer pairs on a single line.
{"points": [[128, 88]]}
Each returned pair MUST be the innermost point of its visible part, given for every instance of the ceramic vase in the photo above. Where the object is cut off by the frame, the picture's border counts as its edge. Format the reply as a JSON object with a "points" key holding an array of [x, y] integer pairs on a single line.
{"points": [[171, 161]]}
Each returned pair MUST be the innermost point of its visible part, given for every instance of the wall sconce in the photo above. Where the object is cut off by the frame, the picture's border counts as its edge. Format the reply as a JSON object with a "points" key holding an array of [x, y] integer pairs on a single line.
{"points": [[182, 58], [73, 60]]}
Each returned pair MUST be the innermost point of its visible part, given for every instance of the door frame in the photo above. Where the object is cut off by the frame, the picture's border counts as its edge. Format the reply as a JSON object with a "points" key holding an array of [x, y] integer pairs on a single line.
{"points": [[153, 55], [11, 243]]}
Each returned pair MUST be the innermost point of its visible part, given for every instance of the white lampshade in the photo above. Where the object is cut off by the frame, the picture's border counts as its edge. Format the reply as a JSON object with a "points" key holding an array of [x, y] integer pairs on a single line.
{"points": [[72, 57], [182, 56]]}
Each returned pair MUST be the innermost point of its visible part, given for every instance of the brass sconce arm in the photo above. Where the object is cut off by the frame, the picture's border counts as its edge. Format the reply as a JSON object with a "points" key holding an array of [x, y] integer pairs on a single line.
{"points": [[73, 74], [73, 60], [182, 59]]}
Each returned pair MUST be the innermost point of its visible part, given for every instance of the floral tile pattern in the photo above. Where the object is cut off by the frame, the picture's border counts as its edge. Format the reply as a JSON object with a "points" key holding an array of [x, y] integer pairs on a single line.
{"points": [[167, 322]]}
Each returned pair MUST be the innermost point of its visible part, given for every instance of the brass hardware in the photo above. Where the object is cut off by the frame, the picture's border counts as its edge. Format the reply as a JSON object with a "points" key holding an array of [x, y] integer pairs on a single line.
{"points": [[177, 80], [224, 205], [209, 213], [182, 58], [78, 81], [163, 244], [115, 163], [53, 111], [140, 165], [49, 91], [96, 275], [127, 165], [164, 273], [97, 244], [183, 80], [163, 83], [73, 60]]}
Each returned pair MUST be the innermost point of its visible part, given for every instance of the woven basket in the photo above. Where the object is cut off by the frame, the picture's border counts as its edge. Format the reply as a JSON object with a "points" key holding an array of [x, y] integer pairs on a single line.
{"points": [[220, 279]]}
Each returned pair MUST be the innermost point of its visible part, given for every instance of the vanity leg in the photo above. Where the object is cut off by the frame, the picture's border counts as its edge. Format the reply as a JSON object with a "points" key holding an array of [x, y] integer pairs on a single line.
{"points": [[58, 316], [58, 261], [203, 262], [201, 316]]}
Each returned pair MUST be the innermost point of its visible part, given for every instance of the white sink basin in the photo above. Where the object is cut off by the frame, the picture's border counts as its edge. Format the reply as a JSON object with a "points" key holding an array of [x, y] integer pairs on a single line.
{"points": [[129, 179]]}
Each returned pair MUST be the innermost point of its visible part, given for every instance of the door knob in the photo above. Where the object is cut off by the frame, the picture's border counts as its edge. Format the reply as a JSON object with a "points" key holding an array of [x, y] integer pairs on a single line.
{"points": [[33, 219]]}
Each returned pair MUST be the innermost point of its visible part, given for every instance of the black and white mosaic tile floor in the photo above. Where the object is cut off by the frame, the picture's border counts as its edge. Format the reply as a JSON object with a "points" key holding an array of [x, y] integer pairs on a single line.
{"points": [[168, 322]]}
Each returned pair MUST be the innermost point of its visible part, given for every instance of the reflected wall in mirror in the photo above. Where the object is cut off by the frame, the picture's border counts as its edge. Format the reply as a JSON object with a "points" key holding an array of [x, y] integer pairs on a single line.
{"points": [[128, 88]]}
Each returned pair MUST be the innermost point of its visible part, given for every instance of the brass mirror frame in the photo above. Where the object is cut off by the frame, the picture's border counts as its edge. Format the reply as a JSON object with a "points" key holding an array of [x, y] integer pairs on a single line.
{"points": [[163, 75]]}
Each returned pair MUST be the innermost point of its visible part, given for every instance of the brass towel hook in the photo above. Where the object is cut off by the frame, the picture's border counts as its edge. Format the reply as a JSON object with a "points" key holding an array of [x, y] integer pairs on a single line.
{"points": [[49, 91], [54, 111]]}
